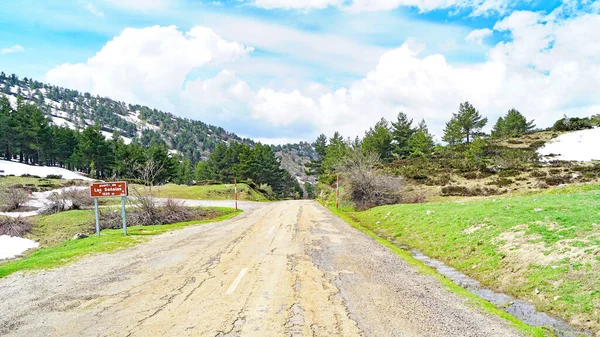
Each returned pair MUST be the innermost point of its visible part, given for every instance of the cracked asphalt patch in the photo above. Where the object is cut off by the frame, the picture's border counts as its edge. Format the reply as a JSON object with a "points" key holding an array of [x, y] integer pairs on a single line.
{"points": [[307, 273]]}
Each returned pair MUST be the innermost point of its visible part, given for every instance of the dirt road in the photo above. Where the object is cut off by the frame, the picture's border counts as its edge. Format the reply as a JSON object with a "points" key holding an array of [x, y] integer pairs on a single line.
{"points": [[279, 269]]}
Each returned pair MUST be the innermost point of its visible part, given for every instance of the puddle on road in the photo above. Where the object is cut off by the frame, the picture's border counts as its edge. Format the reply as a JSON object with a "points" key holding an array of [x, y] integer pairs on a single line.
{"points": [[523, 310]]}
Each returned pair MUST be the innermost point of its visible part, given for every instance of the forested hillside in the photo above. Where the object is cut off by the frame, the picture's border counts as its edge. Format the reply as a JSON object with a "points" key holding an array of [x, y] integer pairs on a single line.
{"points": [[190, 139]]}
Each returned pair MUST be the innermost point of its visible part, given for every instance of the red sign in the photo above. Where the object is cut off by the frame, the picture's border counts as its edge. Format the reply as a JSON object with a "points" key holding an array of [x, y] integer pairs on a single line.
{"points": [[116, 189]]}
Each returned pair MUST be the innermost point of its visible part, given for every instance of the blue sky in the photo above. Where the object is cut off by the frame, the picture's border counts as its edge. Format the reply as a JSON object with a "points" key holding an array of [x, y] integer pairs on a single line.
{"points": [[287, 70]]}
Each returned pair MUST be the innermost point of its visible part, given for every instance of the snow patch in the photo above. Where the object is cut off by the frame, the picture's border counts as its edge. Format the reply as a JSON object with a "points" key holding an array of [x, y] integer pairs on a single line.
{"points": [[63, 122], [11, 246], [19, 169], [574, 146]]}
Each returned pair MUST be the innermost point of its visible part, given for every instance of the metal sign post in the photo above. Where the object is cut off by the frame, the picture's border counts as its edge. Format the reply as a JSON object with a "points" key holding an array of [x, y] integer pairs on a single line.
{"points": [[337, 192], [97, 216], [235, 193], [103, 190], [124, 218]]}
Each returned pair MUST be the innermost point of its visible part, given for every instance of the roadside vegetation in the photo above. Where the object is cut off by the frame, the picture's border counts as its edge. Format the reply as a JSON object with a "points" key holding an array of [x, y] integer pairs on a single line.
{"points": [[485, 204], [544, 248], [52, 230], [211, 192]]}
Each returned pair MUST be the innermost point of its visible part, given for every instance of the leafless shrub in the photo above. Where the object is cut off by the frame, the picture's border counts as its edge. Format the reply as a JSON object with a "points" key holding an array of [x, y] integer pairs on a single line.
{"points": [[68, 199], [12, 198], [80, 198], [414, 198], [146, 206], [150, 213], [14, 226], [463, 191], [368, 187]]}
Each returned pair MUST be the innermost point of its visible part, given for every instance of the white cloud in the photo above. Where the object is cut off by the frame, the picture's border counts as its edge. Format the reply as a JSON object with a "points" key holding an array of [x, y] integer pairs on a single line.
{"points": [[297, 4], [148, 65], [478, 7], [14, 49], [550, 68], [477, 35], [142, 5], [92, 9], [326, 50]]}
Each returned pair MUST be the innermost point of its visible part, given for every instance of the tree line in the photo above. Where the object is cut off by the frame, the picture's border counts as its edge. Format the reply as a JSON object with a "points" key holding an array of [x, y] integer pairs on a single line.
{"points": [[28, 136], [403, 139]]}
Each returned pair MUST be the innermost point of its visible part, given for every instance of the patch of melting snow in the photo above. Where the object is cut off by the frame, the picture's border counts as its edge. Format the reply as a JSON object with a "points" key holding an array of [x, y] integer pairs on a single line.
{"points": [[19, 169], [11, 246], [574, 146]]}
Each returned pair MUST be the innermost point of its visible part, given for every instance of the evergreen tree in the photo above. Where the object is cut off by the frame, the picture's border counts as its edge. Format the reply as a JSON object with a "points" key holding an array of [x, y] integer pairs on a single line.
{"points": [[378, 140], [421, 142], [464, 125], [315, 166], [513, 124], [402, 129]]}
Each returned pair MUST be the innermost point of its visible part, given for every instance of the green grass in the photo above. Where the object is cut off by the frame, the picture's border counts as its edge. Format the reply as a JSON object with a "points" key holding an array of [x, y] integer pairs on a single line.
{"points": [[548, 240], [209, 192], [57, 254]]}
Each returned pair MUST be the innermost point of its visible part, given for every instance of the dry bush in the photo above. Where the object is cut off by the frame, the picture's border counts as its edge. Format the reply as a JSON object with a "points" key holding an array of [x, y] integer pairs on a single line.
{"points": [[414, 198], [149, 214], [12, 199], [463, 191], [14, 226], [557, 180], [69, 199], [368, 187], [80, 198]]}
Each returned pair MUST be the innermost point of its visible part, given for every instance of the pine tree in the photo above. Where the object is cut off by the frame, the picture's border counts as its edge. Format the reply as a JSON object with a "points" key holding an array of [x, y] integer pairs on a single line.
{"points": [[401, 131], [513, 124], [464, 125], [378, 140], [421, 142]]}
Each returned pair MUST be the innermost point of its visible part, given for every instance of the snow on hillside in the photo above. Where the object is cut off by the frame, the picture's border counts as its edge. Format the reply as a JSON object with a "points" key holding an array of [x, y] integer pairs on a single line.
{"points": [[19, 169], [63, 122], [12, 246], [109, 135], [581, 145]]}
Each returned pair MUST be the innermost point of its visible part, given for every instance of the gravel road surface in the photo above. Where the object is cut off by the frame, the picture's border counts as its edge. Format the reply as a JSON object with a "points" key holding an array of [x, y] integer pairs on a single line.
{"points": [[279, 269]]}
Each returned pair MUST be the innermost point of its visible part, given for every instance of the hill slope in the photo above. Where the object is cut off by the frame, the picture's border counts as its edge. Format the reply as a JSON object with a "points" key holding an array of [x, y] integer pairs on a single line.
{"points": [[193, 139]]}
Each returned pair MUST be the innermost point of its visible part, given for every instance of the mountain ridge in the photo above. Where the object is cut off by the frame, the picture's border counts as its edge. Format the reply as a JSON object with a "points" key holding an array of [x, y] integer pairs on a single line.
{"points": [[192, 139]]}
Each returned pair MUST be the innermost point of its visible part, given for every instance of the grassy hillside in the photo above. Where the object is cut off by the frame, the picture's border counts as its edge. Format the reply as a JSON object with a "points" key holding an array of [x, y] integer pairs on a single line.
{"points": [[210, 192], [544, 247]]}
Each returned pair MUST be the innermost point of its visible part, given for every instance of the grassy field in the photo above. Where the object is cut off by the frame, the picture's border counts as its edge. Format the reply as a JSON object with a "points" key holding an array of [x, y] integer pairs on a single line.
{"points": [[540, 246], [209, 192], [54, 232]]}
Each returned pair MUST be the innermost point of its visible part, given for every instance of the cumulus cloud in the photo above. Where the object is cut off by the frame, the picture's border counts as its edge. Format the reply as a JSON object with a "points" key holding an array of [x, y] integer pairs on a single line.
{"points": [[547, 70], [14, 49], [147, 65], [477, 36]]}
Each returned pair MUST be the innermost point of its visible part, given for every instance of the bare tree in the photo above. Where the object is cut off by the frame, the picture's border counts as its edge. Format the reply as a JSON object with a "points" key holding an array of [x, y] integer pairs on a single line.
{"points": [[149, 171], [368, 186]]}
